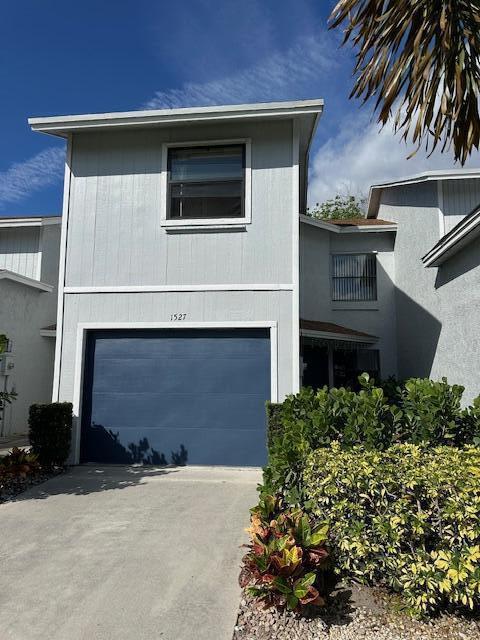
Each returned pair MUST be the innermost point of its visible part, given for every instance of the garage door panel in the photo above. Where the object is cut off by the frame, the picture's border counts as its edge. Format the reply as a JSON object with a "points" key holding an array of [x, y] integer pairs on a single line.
{"points": [[178, 410], [205, 375], [180, 446], [165, 345], [182, 396]]}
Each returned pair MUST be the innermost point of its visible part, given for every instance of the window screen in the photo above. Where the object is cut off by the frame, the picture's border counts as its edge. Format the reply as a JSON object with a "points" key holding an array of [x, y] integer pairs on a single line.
{"points": [[206, 182], [354, 277]]}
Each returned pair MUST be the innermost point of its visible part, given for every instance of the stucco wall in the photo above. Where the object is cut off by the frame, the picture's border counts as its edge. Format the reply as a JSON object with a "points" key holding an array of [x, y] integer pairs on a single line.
{"points": [[24, 311], [377, 317], [438, 311], [457, 284]]}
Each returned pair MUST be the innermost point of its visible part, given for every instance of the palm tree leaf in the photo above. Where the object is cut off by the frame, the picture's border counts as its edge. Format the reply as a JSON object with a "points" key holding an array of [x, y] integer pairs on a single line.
{"points": [[420, 61]]}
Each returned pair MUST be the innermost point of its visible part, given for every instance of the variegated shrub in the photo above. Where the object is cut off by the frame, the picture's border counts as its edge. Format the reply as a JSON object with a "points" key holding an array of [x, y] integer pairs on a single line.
{"points": [[407, 518]]}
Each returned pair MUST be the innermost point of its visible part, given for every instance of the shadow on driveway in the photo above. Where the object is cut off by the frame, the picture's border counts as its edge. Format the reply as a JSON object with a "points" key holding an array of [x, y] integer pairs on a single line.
{"points": [[86, 479]]}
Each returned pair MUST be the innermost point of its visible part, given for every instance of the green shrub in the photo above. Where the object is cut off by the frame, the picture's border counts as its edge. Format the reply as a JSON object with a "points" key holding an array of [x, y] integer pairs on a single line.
{"points": [[274, 424], [415, 411], [431, 411], [407, 518], [313, 419], [50, 432], [287, 562], [468, 427]]}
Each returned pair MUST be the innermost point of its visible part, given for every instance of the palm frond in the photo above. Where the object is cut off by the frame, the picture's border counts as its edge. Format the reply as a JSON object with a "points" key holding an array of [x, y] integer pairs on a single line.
{"points": [[420, 61]]}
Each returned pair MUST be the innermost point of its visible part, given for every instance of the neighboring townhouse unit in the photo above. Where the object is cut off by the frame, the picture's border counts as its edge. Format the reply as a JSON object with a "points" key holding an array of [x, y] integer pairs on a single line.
{"points": [[179, 278], [29, 253], [347, 301], [437, 273]]}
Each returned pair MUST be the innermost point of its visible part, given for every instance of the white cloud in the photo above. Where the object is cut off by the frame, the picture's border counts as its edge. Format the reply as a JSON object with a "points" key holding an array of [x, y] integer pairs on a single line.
{"points": [[362, 155], [280, 76], [23, 178], [283, 75]]}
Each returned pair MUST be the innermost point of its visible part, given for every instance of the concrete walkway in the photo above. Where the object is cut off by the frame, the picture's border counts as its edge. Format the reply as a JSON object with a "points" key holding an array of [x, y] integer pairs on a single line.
{"points": [[113, 553]]}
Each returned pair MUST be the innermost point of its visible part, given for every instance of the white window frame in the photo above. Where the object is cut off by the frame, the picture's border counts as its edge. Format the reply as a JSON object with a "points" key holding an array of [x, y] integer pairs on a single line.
{"points": [[202, 223]]}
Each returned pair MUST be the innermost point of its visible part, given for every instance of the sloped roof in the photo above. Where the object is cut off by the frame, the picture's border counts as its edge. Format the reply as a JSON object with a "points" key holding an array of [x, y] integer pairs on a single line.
{"points": [[360, 222], [29, 221], [335, 331], [5, 274], [452, 242], [63, 125], [426, 176]]}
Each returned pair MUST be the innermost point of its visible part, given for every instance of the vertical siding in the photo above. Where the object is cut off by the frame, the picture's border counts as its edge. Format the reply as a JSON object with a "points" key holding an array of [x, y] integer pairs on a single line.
{"points": [[460, 197], [208, 306], [50, 249], [115, 237], [19, 250]]}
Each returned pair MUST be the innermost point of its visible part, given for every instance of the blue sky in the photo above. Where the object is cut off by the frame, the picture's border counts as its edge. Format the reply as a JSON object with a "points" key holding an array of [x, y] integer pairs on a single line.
{"points": [[64, 58]]}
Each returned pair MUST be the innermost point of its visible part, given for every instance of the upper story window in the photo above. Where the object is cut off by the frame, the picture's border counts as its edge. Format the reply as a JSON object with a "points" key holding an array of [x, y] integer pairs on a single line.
{"points": [[206, 182], [354, 277]]}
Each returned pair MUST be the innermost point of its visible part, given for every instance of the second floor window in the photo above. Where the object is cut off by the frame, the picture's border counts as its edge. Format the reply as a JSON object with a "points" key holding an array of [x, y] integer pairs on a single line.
{"points": [[206, 182], [354, 277]]}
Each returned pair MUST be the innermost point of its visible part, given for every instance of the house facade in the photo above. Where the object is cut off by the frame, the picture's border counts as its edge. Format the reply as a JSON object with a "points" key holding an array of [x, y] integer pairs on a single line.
{"points": [[179, 289], [437, 273], [29, 253], [193, 289]]}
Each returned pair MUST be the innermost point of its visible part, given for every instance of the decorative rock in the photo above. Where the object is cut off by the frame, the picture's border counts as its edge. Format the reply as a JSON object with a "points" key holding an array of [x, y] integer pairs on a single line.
{"points": [[340, 620]]}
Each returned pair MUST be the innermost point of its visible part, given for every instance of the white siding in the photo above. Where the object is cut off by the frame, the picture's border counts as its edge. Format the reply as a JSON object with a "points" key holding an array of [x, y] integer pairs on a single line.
{"points": [[208, 306], [115, 239], [460, 197], [19, 251], [114, 232]]}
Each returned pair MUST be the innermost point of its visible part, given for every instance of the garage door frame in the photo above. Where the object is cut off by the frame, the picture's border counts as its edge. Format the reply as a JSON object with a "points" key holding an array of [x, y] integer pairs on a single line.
{"points": [[84, 327]]}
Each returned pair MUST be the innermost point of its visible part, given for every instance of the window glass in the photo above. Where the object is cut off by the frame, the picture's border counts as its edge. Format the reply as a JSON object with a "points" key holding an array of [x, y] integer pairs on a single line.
{"points": [[206, 182], [349, 364], [354, 277]]}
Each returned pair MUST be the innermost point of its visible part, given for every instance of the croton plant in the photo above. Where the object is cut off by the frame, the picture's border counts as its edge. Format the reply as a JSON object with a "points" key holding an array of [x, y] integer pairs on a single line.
{"points": [[287, 564], [18, 463]]}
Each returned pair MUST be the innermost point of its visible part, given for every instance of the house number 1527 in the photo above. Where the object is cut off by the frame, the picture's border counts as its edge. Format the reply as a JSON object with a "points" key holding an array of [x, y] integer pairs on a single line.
{"points": [[178, 316]]}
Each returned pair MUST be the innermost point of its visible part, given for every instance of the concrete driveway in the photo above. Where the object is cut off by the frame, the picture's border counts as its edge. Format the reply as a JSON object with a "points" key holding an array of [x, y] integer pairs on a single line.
{"points": [[116, 553]]}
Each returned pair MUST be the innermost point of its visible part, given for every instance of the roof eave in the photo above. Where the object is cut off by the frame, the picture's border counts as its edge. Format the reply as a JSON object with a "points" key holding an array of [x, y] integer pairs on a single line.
{"points": [[29, 221], [64, 125], [341, 337], [5, 274], [333, 228], [427, 176], [461, 235]]}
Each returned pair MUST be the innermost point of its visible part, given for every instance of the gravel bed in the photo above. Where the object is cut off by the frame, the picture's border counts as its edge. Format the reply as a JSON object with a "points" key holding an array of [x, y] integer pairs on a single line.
{"points": [[12, 487], [343, 619]]}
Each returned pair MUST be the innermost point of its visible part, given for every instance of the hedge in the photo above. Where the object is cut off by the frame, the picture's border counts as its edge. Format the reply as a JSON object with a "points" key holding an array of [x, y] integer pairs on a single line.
{"points": [[416, 411], [407, 518], [50, 432]]}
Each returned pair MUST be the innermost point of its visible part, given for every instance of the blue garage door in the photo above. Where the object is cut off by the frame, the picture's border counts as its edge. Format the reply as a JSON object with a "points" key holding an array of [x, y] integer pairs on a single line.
{"points": [[176, 396]]}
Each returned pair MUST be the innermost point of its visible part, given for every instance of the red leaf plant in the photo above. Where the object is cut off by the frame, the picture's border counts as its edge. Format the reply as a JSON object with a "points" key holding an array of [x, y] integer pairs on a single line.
{"points": [[287, 564]]}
